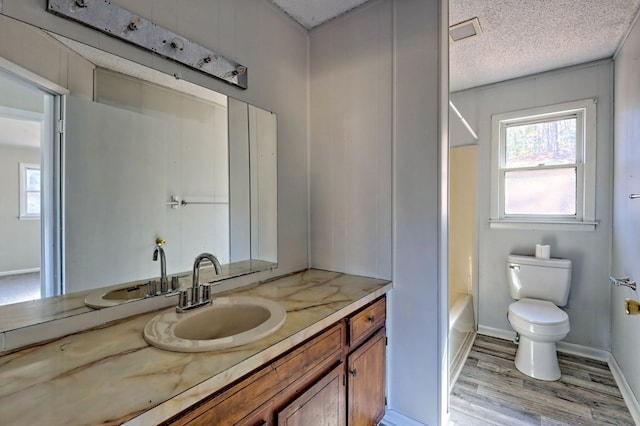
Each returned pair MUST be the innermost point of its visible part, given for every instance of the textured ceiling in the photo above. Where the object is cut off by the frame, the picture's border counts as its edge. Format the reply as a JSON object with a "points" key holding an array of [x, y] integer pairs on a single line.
{"points": [[519, 37], [522, 37]]}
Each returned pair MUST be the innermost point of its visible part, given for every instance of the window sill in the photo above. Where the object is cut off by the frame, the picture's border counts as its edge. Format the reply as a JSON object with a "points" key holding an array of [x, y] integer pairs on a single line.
{"points": [[28, 217], [541, 225]]}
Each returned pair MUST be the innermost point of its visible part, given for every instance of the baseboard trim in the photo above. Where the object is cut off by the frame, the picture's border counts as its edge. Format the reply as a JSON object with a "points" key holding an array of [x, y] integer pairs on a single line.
{"points": [[19, 272], [394, 418], [583, 351], [498, 333], [626, 391]]}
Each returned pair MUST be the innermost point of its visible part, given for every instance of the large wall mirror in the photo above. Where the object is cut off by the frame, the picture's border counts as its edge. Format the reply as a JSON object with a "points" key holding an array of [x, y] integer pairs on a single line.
{"points": [[143, 155]]}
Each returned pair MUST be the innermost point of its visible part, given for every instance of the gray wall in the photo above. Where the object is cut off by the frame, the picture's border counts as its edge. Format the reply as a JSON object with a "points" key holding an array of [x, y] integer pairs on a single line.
{"points": [[254, 33], [375, 171], [625, 330], [589, 251]]}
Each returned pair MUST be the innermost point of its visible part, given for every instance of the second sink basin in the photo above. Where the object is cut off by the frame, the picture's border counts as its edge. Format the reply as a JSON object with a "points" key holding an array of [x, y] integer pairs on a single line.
{"points": [[226, 323], [128, 293]]}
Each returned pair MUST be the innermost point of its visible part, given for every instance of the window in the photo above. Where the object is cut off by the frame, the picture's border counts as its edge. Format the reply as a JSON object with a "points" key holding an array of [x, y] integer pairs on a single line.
{"points": [[543, 173], [29, 191]]}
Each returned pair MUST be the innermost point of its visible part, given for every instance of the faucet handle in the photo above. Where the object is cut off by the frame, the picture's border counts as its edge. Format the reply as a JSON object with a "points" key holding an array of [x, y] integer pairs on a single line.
{"points": [[206, 292], [183, 300], [153, 289], [175, 283]]}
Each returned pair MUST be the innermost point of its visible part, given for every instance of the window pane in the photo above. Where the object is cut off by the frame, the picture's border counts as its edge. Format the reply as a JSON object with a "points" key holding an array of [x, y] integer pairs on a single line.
{"points": [[540, 192], [33, 180], [33, 203], [547, 143]]}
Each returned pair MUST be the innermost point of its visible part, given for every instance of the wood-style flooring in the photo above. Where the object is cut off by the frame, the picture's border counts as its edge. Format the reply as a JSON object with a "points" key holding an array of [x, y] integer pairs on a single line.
{"points": [[491, 391]]}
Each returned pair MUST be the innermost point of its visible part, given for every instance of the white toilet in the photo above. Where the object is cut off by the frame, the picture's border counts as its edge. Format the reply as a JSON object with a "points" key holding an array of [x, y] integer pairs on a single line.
{"points": [[539, 286]]}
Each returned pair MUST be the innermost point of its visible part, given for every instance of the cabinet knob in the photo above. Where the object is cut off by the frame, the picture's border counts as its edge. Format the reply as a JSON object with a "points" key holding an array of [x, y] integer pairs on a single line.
{"points": [[372, 318], [353, 372]]}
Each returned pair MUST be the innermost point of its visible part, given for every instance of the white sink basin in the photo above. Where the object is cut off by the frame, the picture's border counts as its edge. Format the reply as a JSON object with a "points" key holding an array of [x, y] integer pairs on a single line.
{"points": [[226, 323]]}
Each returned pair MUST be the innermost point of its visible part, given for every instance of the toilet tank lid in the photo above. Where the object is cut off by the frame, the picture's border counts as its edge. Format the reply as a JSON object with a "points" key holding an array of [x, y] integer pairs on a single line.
{"points": [[535, 261]]}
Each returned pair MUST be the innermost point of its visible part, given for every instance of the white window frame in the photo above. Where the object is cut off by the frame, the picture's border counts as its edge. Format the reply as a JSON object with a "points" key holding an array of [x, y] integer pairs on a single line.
{"points": [[585, 113], [24, 214]]}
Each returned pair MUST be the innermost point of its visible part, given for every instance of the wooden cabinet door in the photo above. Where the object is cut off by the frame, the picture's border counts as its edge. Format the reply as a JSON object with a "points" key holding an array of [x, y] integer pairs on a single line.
{"points": [[323, 404], [366, 381]]}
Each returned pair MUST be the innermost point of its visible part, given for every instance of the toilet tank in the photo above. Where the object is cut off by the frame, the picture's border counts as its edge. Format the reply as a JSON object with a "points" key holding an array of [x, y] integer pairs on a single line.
{"points": [[545, 279]]}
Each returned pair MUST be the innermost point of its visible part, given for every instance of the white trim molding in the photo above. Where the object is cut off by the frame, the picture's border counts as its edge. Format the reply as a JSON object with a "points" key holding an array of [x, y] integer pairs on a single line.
{"points": [[498, 333], [19, 272], [626, 391], [394, 418], [584, 165]]}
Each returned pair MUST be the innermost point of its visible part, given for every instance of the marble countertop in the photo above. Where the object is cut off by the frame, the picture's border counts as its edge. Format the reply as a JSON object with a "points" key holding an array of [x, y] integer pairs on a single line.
{"points": [[111, 375]]}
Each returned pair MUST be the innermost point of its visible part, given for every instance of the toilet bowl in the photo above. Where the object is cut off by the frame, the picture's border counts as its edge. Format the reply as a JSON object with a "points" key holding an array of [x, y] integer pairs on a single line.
{"points": [[540, 286], [539, 324]]}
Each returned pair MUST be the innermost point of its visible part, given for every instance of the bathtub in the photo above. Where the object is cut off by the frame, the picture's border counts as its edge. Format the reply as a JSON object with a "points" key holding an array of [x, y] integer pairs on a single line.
{"points": [[462, 331]]}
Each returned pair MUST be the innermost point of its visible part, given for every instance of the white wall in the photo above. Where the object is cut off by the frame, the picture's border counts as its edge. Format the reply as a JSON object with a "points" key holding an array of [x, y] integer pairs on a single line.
{"points": [[374, 152], [47, 58], [589, 251], [350, 151], [625, 330], [254, 33], [20, 248], [195, 166]]}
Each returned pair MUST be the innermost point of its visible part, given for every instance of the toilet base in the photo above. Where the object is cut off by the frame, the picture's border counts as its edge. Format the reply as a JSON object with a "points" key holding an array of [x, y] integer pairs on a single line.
{"points": [[538, 359]]}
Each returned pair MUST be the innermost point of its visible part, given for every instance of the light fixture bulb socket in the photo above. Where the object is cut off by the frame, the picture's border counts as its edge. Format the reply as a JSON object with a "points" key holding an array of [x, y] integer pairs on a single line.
{"points": [[134, 25], [177, 44]]}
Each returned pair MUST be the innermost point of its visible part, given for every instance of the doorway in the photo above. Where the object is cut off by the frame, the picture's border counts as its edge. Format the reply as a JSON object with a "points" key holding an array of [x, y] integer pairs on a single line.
{"points": [[27, 116]]}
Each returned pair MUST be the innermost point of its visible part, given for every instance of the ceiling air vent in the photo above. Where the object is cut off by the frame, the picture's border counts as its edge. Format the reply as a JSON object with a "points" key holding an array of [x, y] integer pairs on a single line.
{"points": [[464, 30]]}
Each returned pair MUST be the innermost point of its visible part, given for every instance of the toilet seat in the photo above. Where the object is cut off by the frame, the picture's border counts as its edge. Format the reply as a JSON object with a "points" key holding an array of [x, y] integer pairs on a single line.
{"points": [[538, 317]]}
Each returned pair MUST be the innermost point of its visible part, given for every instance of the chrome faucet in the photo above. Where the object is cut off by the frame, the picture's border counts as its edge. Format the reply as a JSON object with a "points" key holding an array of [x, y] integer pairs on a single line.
{"points": [[198, 294], [196, 266], [164, 284]]}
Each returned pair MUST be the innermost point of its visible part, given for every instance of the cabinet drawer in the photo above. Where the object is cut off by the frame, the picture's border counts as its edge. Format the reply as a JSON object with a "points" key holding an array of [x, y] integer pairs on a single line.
{"points": [[366, 321], [240, 400]]}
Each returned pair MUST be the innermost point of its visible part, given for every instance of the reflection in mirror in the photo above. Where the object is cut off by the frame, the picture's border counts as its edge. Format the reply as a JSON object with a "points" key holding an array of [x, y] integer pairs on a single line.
{"points": [[145, 156], [22, 129]]}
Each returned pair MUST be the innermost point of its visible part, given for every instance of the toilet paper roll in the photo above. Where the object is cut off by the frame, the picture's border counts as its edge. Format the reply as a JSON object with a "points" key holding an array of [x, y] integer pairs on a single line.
{"points": [[543, 251]]}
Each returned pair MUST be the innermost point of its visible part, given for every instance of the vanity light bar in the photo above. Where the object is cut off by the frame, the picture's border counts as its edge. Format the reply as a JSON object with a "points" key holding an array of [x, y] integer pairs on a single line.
{"points": [[115, 21]]}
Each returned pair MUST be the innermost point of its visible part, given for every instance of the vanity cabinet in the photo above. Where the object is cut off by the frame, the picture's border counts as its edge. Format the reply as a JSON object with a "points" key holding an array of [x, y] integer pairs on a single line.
{"points": [[334, 378]]}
